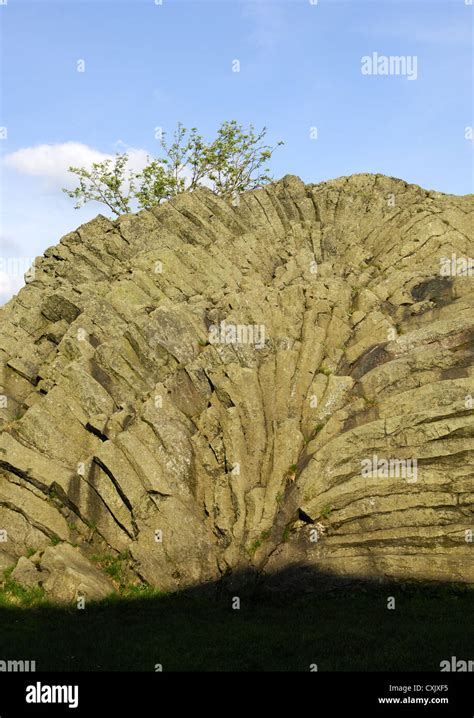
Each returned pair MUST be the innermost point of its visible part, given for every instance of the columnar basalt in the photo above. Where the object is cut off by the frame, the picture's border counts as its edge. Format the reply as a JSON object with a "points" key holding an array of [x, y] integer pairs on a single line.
{"points": [[201, 384]]}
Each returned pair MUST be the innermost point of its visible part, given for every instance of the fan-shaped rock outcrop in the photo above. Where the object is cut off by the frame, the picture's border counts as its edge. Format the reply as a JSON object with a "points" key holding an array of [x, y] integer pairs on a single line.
{"points": [[283, 381]]}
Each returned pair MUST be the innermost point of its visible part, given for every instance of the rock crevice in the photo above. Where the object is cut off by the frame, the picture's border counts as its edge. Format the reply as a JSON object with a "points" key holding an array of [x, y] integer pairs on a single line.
{"points": [[200, 385]]}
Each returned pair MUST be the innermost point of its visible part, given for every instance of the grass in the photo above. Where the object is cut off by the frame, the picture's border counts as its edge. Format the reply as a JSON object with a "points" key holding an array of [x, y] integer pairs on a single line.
{"points": [[254, 546], [13, 594], [326, 512], [258, 542], [345, 630], [115, 565], [370, 401]]}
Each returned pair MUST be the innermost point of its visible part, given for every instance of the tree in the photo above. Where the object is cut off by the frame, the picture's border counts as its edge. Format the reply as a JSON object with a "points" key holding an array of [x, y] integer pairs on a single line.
{"points": [[236, 158], [182, 168], [233, 163], [186, 154], [105, 182], [156, 184]]}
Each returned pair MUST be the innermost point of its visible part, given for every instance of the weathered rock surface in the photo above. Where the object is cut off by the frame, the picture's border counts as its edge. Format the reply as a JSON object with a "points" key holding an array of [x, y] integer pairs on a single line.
{"points": [[64, 573], [129, 423]]}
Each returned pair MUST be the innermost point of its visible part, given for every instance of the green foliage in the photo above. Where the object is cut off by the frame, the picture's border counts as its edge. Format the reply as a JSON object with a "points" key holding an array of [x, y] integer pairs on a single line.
{"points": [[104, 182], [8, 572], [236, 158], [114, 565], [156, 184], [258, 542], [130, 591], [254, 546], [290, 473], [370, 401], [13, 593], [186, 151], [325, 370], [138, 590], [232, 163], [326, 511]]}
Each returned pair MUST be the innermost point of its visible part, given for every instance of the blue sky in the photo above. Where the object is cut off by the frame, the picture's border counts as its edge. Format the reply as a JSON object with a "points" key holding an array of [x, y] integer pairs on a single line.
{"points": [[151, 65]]}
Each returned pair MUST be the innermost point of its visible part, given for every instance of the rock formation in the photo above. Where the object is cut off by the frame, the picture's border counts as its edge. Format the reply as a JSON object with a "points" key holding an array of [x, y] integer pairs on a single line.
{"points": [[204, 385]]}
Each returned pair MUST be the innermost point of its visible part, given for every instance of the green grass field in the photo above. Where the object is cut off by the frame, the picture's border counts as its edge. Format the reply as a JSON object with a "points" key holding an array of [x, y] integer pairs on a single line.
{"points": [[343, 631]]}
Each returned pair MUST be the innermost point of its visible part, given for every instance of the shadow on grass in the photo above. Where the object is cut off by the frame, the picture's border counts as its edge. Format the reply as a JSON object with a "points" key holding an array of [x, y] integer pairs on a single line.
{"points": [[338, 625]]}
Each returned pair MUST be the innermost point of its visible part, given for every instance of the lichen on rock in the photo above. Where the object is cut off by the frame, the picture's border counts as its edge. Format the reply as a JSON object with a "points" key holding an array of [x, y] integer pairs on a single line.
{"points": [[200, 385]]}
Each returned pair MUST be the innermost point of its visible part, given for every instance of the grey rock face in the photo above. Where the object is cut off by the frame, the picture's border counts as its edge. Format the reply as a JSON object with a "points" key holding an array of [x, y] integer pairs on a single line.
{"points": [[64, 573], [26, 573], [215, 387]]}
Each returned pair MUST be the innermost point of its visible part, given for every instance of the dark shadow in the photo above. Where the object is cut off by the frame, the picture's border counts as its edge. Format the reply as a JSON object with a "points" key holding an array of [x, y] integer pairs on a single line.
{"points": [[292, 619]]}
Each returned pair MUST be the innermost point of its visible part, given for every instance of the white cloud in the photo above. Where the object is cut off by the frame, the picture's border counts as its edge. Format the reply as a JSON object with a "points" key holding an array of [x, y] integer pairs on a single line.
{"points": [[39, 173], [51, 162]]}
